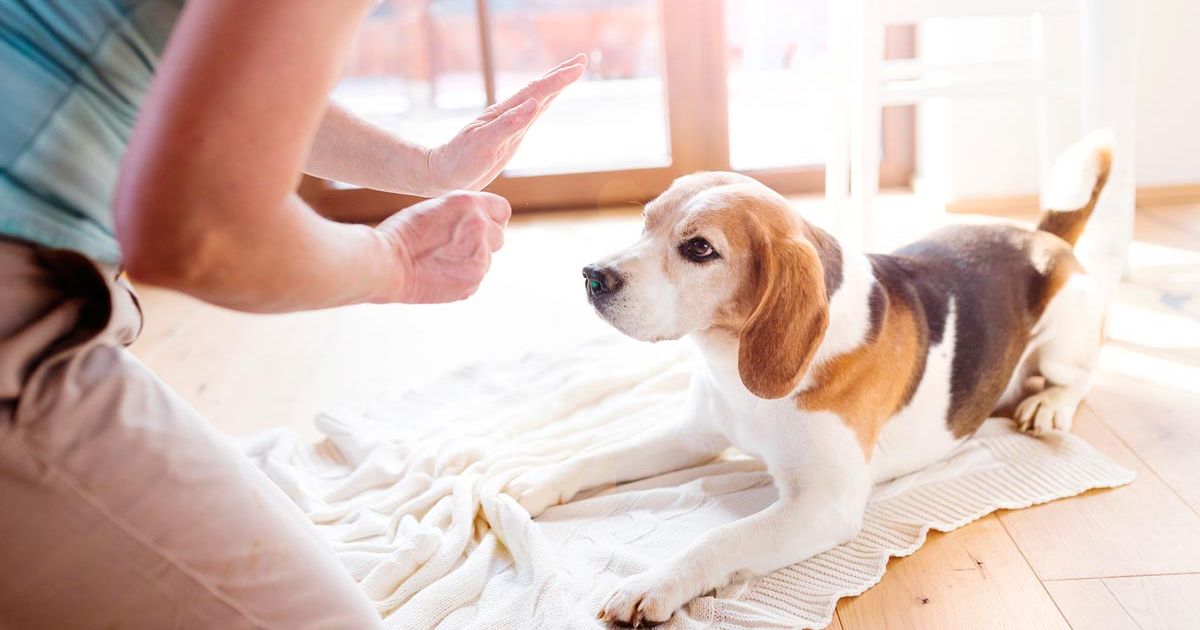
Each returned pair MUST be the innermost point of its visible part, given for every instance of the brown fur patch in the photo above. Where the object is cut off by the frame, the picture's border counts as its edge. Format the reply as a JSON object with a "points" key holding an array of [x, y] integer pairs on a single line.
{"points": [[1068, 223], [783, 332], [747, 224], [868, 385]]}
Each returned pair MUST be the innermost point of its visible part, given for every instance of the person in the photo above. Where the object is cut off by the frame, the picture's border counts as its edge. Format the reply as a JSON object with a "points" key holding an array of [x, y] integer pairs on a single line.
{"points": [[165, 140]]}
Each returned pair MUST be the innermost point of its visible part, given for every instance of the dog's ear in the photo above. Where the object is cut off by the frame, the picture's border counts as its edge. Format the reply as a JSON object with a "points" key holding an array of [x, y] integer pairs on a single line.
{"points": [[787, 325]]}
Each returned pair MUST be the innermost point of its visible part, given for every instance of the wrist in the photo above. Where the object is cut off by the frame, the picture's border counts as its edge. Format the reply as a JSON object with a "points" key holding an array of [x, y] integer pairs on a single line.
{"points": [[408, 169], [430, 178], [391, 265]]}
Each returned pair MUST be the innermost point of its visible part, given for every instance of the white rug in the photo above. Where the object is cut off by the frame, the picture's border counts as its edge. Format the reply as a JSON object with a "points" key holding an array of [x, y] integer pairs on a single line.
{"points": [[409, 493]]}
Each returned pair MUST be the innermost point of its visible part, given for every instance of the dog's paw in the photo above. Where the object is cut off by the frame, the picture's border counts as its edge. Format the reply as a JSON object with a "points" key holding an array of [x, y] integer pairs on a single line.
{"points": [[541, 488], [645, 599], [1050, 409]]}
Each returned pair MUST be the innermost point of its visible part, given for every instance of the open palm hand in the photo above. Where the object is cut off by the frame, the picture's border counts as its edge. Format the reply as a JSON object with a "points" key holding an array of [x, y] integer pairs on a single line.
{"points": [[477, 154]]}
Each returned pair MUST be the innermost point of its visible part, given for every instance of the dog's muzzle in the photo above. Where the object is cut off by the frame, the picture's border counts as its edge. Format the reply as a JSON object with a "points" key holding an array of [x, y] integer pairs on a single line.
{"points": [[601, 283]]}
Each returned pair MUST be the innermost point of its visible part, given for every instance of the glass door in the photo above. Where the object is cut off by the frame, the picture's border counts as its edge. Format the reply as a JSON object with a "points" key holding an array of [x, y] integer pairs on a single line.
{"points": [[672, 87], [615, 118]]}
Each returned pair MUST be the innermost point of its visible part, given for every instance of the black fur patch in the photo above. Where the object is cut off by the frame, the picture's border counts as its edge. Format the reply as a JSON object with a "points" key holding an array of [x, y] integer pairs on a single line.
{"points": [[831, 258], [877, 304], [998, 295]]}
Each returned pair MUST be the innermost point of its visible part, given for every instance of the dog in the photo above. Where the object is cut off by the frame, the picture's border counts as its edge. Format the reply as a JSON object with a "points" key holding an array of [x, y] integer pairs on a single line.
{"points": [[838, 369]]}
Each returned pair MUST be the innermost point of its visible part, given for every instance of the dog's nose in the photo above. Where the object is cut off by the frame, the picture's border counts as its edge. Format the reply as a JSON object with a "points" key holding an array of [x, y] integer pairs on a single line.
{"points": [[601, 281]]}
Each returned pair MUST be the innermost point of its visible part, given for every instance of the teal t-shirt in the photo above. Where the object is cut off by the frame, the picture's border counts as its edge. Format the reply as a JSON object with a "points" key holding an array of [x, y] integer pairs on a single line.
{"points": [[72, 75]]}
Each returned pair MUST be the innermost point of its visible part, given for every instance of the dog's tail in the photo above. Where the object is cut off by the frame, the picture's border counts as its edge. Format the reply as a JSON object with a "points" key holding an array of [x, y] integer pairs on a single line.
{"points": [[1075, 185]]}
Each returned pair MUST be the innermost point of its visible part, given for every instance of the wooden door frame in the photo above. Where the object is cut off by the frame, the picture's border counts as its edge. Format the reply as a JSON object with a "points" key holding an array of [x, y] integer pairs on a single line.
{"points": [[694, 74]]}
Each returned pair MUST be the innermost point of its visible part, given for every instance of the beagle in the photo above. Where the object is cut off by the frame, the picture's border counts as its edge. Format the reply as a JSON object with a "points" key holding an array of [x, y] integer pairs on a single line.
{"points": [[838, 369]]}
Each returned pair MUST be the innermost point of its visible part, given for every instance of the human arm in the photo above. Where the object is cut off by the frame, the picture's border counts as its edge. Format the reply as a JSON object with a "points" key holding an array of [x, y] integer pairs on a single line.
{"points": [[205, 202]]}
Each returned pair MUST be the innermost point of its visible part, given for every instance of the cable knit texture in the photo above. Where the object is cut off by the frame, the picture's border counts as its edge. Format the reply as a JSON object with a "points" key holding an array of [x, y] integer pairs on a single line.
{"points": [[411, 495]]}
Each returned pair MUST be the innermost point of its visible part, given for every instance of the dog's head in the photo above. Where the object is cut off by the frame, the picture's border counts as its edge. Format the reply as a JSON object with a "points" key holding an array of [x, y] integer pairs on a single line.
{"points": [[721, 252]]}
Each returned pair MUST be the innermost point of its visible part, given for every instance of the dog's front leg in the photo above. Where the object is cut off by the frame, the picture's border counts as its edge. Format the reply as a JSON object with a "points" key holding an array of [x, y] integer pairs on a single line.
{"points": [[671, 446], [806, 520]]}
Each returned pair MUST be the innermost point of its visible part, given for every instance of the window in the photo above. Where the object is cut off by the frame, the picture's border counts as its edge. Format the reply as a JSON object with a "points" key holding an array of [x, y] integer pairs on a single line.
{"points": [[673, 86]]}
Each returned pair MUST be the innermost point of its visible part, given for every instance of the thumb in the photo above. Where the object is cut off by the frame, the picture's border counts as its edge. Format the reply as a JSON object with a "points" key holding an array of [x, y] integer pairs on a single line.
{"points": [[496, 207]]}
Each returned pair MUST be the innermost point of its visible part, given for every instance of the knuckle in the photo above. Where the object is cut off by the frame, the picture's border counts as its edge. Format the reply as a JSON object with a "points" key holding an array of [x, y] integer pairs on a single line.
{"points": [[458, 199], [476, 223]]}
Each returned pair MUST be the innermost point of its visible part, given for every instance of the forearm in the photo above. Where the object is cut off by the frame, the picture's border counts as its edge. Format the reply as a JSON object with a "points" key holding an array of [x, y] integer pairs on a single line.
{"points": [[349, 149], [278, 260]]}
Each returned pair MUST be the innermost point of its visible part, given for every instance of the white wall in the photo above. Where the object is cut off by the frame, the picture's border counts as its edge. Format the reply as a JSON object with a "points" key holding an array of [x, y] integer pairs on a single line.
{"points": [[972, 149], [1168, 93]]}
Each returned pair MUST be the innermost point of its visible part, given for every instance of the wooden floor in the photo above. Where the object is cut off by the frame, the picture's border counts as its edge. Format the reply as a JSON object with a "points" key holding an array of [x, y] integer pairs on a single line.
{"points": [[1125, 558]]}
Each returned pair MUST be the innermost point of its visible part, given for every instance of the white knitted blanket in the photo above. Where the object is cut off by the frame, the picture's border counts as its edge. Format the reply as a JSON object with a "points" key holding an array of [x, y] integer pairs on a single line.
{"points": [[410, 495]]}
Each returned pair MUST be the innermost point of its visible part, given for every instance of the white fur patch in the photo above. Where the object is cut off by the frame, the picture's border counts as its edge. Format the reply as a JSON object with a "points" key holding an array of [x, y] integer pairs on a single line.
{"points": [[1076, 171], [849, 313], [918, 435], [849, 310]]}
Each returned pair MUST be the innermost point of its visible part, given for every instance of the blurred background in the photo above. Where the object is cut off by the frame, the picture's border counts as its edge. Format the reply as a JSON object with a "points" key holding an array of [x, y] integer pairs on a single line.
{"points": [[676, 86], [431, 84], [672, 87]]}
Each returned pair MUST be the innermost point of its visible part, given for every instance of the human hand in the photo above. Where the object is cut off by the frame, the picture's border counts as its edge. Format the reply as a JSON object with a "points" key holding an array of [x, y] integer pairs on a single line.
{"points": [[444, 246], [474, 157]]}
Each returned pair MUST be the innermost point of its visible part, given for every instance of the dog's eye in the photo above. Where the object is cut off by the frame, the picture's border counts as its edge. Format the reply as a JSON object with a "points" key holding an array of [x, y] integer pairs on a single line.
{"points": [[698, 250]]}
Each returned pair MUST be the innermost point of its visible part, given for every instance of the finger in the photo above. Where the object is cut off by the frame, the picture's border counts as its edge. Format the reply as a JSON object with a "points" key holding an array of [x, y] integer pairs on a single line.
{"points": [[510, 124], [496, 207], [545, 102], [495, 237], [537, 90], [555, 82], [509, 147], [579, 59], [482, 264], [540, 89], [512, 142]]}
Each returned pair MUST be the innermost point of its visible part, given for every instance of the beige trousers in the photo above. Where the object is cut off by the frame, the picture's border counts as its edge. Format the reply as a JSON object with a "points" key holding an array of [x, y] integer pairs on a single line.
{"points": [[120, 507]]}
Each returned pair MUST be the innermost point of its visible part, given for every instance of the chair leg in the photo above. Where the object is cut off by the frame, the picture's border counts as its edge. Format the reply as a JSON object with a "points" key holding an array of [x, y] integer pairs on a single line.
{"points": [[1042, 107], [1110, 33], [837, 156], [866, 123]]}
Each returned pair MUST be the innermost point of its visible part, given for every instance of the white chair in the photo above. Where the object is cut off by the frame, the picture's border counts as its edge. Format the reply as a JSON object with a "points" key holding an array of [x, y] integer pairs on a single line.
{"points": [[863, 83]]}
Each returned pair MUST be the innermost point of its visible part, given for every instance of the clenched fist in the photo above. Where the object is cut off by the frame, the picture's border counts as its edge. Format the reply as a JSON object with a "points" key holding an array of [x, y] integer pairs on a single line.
{"points": [[444, 246]]}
